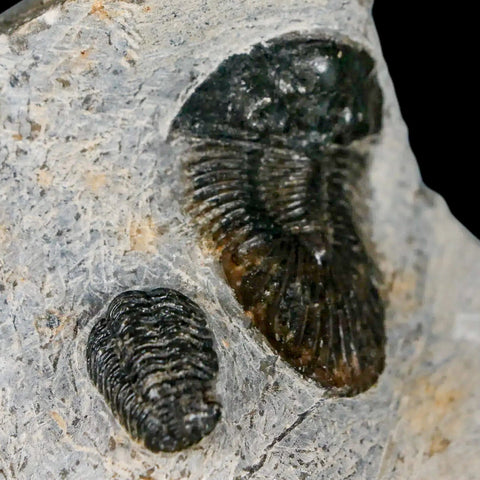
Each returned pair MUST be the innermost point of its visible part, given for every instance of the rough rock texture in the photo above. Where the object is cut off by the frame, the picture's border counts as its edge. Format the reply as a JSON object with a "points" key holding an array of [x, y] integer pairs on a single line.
{"points": [[90, 205]]}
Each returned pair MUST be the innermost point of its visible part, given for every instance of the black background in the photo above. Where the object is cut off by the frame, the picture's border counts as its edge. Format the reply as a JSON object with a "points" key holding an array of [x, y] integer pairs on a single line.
{"points": [[430, 55], [431, 59], [6, 5]]}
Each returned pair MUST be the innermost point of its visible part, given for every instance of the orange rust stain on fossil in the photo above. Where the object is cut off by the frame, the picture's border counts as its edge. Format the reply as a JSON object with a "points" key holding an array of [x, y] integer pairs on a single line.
{"points": [[98, 9], [59, 420], [44, 177], [144, 234], [95, 181], [431, 411]]}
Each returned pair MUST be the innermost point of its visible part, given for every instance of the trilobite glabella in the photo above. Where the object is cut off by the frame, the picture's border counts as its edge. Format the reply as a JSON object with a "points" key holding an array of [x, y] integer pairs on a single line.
{"points": [[152, 358], [271, 148]]}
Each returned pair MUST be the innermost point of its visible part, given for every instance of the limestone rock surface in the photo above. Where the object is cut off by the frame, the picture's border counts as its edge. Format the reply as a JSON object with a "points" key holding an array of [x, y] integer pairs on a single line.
{"points": [[91, 205]]}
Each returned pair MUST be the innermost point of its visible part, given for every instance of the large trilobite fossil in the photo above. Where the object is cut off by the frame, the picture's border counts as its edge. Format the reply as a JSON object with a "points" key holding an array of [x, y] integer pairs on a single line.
{"points": [[270, 144]]}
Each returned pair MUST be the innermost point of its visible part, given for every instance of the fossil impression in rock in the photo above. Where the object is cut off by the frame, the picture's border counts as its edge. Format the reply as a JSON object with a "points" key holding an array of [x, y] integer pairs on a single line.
{"points": [[153, 360], [271, 147]]}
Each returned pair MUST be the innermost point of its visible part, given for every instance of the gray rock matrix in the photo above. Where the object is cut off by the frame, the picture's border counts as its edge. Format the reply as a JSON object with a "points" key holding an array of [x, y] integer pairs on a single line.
{"points": [[91, 204]]}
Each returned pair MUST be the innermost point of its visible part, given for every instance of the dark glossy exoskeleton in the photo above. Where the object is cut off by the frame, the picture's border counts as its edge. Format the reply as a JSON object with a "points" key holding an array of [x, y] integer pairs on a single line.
{"points": [[272, 146], [152, 358]]}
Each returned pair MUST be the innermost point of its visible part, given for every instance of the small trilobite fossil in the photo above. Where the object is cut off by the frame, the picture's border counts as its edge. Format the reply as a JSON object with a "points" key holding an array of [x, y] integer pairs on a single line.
{"points": [[152, 358], [271, 144]]}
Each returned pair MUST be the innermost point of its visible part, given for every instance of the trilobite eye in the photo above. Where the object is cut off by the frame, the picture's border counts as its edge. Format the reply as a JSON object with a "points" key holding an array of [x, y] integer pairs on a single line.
{"points": [[153, 360], [269, 145]]}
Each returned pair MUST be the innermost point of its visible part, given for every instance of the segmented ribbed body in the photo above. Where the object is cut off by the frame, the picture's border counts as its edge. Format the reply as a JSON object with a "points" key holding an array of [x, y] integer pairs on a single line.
{"points": [[152, 358], [270, 146]]}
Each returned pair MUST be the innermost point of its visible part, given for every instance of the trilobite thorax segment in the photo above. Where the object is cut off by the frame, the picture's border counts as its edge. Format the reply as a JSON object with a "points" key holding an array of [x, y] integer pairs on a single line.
{"points": [[270, 149], [152, 358]]}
